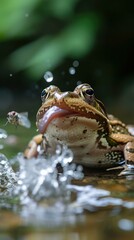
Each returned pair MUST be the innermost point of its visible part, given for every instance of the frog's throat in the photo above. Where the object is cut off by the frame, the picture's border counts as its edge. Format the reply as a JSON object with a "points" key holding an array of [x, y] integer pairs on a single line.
{"points": [[52, 113], [57, 112]]}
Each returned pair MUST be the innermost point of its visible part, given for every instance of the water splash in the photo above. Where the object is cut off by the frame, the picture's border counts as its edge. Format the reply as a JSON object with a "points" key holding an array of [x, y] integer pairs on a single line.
{"points": [[7, 176], [39, 178], [3, 134], [43, 189]]}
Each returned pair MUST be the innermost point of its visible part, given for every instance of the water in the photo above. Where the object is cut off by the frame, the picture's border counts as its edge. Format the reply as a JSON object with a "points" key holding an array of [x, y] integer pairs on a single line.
{"points": [[75, 63], [52, 194], [3, 134], [72, 70], [3, 137], [41, 189], [126, 224], [39, 180], [48, 76], [7, 175]]}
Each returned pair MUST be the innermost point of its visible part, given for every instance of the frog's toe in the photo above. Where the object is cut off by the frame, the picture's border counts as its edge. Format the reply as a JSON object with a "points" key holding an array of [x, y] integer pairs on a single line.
{"points": [[129, 153], [128, 170], [32, 148]]}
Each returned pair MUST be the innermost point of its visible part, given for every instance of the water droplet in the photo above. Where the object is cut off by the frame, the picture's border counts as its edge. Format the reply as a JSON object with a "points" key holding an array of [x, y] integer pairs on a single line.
{"points": [[48, 76], [67, 157], [79, 168], [10, 74], [1, 146], [58, 150], [75, 63], [3, 133], [72, 70], [126, 225], [79, 82]]}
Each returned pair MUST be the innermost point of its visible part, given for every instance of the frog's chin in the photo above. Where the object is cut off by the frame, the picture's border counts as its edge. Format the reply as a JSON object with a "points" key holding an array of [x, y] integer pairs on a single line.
{"points": [[53, 113]]}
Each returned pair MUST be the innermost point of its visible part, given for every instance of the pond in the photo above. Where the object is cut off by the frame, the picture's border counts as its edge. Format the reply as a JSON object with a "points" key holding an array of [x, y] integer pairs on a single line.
{"points": [[39, 200]]}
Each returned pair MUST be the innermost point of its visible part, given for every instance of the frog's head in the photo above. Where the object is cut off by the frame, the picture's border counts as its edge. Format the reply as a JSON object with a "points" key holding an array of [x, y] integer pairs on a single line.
{"points": [[68, 116]]}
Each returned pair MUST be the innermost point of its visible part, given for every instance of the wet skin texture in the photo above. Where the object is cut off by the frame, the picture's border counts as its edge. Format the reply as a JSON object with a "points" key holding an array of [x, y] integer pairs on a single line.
{"points": [[79, 120]]}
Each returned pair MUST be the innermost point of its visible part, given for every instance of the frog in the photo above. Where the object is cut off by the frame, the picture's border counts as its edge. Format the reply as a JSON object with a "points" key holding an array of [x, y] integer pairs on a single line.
{"points": [[80, 121]]}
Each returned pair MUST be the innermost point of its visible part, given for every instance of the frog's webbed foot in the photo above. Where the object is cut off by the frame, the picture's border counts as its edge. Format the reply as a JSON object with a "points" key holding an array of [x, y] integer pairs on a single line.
{"points": [[126, 170], [117, 168]]}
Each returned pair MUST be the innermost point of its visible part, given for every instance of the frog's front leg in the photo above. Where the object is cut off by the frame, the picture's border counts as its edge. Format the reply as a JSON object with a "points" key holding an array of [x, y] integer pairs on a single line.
{"points": [[128, 150], [32, 148], [128, 167], [129, 159]]}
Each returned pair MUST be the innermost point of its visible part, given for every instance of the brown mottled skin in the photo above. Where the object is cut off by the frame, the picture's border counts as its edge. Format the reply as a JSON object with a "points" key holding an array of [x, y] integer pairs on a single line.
{"points": [[79, 120]]}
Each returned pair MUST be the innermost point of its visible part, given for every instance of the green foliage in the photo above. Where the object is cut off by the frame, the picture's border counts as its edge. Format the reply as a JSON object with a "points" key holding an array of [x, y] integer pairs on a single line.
{"points": [[47, 52], [13, 14], [55, 31], [60, 8]]}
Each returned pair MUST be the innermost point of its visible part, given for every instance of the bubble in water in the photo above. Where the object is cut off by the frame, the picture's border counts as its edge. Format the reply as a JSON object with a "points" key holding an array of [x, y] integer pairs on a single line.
{"points": [[75, 63], [10, 74], [72, 70], [48, 76]]}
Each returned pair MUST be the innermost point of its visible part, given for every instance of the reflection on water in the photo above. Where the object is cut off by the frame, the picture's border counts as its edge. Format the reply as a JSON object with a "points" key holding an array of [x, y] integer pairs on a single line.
{"points": [[41, 190], [42, 197]]}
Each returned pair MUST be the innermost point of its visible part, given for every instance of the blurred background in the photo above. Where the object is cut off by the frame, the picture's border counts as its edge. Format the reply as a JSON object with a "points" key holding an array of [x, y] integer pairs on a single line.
{"points": [[66, 43]]}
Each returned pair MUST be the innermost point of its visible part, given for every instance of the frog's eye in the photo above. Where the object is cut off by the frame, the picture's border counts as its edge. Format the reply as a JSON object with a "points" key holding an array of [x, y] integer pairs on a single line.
{"points": [[88, 95], [89, 92], [44, 94]]}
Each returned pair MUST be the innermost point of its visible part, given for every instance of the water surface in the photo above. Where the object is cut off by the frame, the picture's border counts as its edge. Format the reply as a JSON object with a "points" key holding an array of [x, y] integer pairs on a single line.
{"points": [[97, 205]]}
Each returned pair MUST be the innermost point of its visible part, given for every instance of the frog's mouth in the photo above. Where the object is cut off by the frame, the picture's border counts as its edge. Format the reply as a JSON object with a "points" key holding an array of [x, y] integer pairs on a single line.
{"points": [[52, 113]]}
